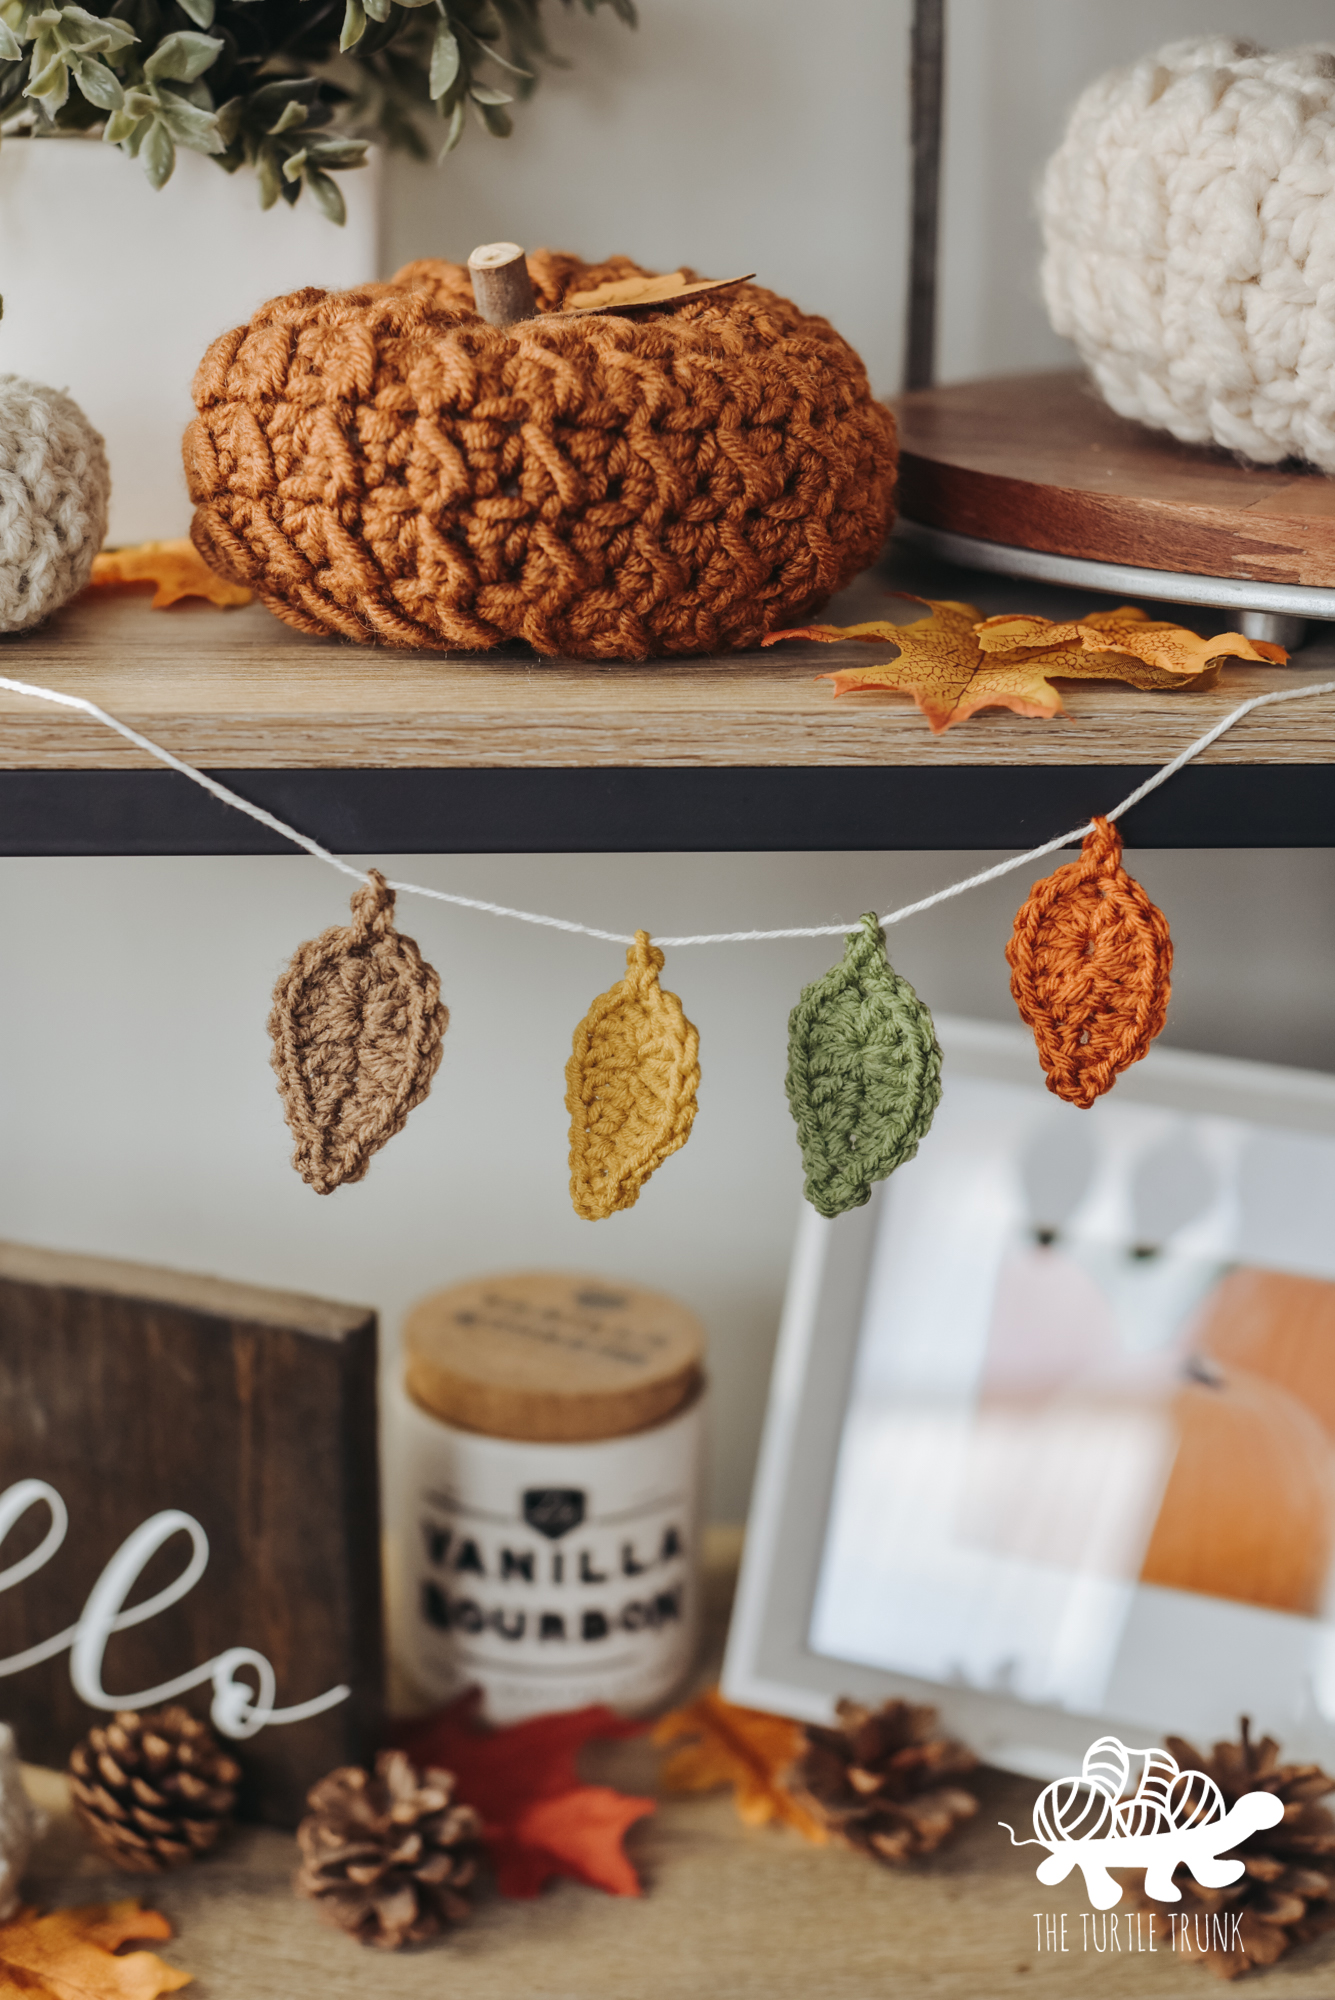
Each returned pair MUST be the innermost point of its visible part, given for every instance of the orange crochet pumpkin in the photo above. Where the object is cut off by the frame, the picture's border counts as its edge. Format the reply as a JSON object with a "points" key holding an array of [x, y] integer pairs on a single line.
{"points": [[383, 464]]}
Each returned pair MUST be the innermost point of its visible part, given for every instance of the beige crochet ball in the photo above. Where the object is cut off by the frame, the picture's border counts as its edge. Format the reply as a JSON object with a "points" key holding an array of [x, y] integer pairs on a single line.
{"points": [[54, 490]]}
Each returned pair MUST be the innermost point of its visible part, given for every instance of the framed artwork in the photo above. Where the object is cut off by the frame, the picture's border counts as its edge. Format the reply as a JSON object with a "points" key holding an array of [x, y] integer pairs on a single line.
{"points": [[1051, 1433]]}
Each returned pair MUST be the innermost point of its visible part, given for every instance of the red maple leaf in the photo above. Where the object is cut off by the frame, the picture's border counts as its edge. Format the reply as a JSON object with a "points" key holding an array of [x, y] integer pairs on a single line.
{"points": [[539, 1818]]}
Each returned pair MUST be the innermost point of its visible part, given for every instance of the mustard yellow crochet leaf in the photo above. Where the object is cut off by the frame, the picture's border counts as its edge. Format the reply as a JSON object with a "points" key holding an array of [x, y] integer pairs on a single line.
{"points": [[630, 1086]]}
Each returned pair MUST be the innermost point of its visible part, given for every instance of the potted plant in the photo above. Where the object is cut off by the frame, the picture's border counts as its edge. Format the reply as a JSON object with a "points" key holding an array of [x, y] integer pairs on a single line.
{"points": [[125, 256]]}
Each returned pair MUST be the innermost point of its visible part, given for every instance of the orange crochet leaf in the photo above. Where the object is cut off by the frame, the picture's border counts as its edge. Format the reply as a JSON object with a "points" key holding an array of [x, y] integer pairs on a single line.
{"points": [[624, 294], [955, 662], [1090, 960], [177, 568], [741, 1747], [74, 1955], [539, 1818]]}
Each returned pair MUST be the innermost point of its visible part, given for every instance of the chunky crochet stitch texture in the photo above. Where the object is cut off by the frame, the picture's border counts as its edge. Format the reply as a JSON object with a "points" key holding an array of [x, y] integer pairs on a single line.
{"points": [[631, 1085], [1090, 960], [864, 1073], [1189, 228], [356, 1023], [54, 489], [381, 463]]}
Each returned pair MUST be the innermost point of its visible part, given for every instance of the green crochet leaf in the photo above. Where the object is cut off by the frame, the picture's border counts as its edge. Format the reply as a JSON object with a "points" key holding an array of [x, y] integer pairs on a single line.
{"points": [[864, 1073]]}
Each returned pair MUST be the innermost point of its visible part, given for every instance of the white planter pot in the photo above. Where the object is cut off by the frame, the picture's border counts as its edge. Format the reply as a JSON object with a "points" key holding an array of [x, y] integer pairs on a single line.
{"points": [[112, 292]]}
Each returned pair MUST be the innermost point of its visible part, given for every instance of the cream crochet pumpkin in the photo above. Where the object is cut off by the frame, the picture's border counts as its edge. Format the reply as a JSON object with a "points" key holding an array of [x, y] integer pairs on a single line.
{"points": [[1189, 230]]}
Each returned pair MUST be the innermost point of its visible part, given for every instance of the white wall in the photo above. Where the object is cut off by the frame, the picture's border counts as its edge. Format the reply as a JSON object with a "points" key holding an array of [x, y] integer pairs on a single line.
{"points": [[137, 1112]]}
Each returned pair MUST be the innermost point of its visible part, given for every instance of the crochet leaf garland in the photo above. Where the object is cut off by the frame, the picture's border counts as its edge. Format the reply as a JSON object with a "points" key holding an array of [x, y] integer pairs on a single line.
{"points": [[1090, 960], [631, 1084], [864, 1073], [955, 662], [356, 1023]]}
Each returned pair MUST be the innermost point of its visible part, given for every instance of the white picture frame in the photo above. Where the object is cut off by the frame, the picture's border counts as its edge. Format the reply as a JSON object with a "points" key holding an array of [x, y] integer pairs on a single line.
{"points": [[780, 1657]]}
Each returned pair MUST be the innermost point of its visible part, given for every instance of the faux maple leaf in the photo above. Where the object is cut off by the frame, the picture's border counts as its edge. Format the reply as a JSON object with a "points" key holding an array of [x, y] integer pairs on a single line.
{"points": [[177, 568], [74, 1955], [620, 295], [539, 1818], [741, 1747], [955, 661]]}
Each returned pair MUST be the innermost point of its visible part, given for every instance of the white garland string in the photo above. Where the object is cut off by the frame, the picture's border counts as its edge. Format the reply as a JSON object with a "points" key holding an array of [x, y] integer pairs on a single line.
{"points": [[313, 847]]}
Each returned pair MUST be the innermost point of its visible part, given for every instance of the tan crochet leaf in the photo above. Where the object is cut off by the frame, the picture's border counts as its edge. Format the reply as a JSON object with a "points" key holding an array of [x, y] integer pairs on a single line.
{"points": [[624, 294], [954, 662], [177, 569], [630, 1086], [357, 1023]]}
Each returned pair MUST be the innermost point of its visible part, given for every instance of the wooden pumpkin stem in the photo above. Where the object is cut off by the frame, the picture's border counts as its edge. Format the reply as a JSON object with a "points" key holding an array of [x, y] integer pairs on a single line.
{"points": [[502, 287]]}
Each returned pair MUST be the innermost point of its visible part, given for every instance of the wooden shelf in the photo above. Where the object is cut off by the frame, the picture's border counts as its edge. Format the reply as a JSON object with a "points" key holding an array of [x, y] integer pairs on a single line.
{"points": [[369, 749], [236, 689]]}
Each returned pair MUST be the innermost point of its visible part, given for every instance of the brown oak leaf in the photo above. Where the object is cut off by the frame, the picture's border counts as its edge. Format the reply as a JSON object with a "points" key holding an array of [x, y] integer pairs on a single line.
{"points": [[74, 1954], [177, 569], [955, 662], [742, 1747], [620, 295]]}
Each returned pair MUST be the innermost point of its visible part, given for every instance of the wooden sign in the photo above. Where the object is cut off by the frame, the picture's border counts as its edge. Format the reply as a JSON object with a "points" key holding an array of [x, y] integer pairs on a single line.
{"points": [[189, 1509]]}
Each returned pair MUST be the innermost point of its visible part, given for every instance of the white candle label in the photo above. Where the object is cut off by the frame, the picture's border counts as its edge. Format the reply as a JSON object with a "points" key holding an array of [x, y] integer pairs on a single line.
{"points": [[238, 1710], [546, 1591]]}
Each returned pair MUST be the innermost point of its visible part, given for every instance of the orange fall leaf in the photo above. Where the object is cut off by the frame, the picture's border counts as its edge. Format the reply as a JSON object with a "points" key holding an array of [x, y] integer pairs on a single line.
{"points": [[741, 1747], [955, 662], [76, 1955], [177, 568]]}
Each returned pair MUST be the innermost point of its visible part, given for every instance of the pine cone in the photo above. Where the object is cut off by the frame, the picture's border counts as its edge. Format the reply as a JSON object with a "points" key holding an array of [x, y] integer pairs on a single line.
{"points": [[1287, 1895], [153, 1790], [877, 1780], [387, 1855]]}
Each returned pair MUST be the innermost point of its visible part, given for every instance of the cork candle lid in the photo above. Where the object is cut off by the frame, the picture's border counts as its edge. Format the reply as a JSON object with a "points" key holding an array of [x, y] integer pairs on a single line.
{"points": [[552, 1356]]}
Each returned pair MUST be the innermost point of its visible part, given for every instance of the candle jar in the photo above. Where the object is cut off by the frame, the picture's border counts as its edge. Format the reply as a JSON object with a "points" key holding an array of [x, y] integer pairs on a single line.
{"points": [[547, 1458]]}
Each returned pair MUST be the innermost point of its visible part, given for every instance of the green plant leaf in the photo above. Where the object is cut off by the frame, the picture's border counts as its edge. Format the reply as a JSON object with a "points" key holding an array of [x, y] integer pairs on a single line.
{"points": [[482, 93], [445, 61], [454, 132], [864, 1073], [293, 165], [181, 57], [292, 115], [11, 48], [158, 153], [268, 176], [354, 25], [100, 85], [201, 12], [327, 195], [92, 32], [194, 128], [339, 153]]}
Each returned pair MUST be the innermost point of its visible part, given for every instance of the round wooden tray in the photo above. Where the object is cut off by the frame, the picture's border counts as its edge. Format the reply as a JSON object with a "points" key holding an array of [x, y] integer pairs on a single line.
{"points": [[1038, 463]]}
